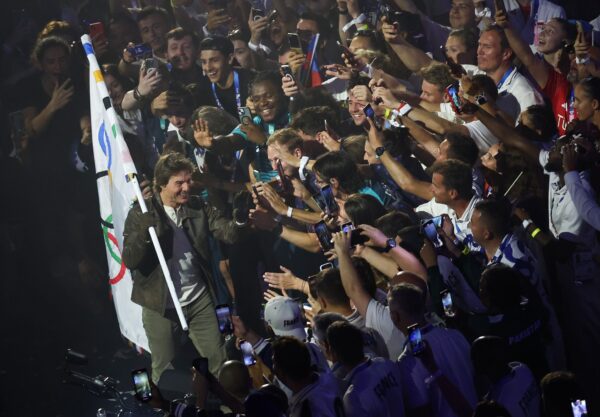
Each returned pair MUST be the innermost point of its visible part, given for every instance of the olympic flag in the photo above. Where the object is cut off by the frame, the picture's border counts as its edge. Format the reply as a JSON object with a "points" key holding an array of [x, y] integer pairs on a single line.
{"points": [[115, 173]]}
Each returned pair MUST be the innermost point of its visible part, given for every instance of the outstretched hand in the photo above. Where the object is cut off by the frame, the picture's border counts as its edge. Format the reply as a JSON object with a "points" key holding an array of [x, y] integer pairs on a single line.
{"points": [[202, 134]]}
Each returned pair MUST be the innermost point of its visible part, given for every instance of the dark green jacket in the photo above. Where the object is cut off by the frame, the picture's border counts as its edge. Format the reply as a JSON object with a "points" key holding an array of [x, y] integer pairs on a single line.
{"points": [[199, 220]]}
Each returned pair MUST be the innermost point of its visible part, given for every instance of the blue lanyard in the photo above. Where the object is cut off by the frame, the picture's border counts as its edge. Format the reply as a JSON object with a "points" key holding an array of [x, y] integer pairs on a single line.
{"points": [[504, 77], [236, 86]]}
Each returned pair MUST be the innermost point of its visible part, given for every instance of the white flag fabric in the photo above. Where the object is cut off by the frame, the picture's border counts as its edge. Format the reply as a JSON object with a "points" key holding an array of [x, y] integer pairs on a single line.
{"points": [[114, 167]]}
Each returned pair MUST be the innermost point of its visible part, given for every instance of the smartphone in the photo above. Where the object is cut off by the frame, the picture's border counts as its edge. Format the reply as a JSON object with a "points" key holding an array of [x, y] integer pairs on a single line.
{"points": [[330, 131], [415, 340], [331, 206], [348, 54], [347, 227], [17, 124], [447, 303], [247, 353], [429, 230], [455, 101], [287, 71], [370, 113], [245, 115], [200, 364], [257, 14], [150, 65], [224, 318], [97, 30], [141, 384], [140, 51], [324, 236], [294, 41], [579, 408]]}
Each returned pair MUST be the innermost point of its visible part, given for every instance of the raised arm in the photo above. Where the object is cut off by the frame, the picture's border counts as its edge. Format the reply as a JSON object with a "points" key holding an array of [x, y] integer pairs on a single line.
{"points": [[412, 57], [350, 280], [538, 68]]}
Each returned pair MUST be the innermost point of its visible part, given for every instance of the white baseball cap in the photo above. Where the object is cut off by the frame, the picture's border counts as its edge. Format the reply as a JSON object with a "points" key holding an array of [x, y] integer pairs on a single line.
{"points": [[284, 317]]}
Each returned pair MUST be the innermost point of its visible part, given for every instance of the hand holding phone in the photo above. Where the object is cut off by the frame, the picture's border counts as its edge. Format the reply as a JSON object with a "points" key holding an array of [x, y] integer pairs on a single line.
{"points": [[415, 339], [245, 115], [447, 304], [223, 313], [247, 353], [324, 236], [429, 230]]}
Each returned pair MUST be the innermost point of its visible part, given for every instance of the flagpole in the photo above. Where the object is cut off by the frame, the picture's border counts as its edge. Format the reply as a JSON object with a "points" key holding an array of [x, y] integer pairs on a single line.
{"points": [[132, 178]]}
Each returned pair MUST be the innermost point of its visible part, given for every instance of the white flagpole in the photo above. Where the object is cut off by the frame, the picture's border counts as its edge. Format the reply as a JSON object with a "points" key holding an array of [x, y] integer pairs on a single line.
{"points": [[103, 92]]}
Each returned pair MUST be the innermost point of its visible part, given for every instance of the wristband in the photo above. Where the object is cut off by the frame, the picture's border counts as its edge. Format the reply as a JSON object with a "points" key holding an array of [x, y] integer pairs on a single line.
{"points": [[536, 232], [137, 96], [360, 19], [303, 162], [290, 210], [403, 108], [466, 250], [526, 223]]}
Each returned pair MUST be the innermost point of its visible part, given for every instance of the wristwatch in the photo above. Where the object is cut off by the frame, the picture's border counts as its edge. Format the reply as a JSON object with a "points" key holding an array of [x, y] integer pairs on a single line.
{"points": [[390, 244], [481, 99], [379, 151]]}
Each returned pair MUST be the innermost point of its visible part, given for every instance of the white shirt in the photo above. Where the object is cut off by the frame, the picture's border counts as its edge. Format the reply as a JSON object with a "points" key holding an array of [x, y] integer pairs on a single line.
{"points": [[515, 94], [320, 396], [378, 318], [374, 390], [461, 224], [481, 135], [518, 392], [451, 352]]}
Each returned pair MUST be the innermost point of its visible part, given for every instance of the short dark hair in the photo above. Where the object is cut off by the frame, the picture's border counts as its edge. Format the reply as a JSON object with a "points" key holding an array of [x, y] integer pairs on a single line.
{"points": [[543, 118], [591, 86], [272, 77], [185, 102], [340, 166], [179, 33], [310, 119], [456, 176], [363, 209], [374, 37], [219, 121], [150, 10], [42, 45], [329, 286], [391, 223], [462, 148], [569, 28], [292, 357], [217, 43], [346, 341], [323, 24], [408, 298], [503, 285], [169, 165], [496, 214], [358, 80], [484, 83], [321, 323]]}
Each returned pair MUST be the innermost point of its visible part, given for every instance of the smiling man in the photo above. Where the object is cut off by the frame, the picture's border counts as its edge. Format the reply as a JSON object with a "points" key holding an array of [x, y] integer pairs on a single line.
{"points": [[182, 53], [183, 223], [227, 86]]}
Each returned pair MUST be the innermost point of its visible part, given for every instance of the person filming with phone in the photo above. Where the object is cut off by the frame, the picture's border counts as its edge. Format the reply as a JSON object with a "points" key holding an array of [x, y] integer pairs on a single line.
{"points": [[183, 224]]}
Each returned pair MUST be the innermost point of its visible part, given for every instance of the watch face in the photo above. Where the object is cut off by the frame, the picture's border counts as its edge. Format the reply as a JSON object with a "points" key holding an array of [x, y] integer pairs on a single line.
{"points": [[379, 151], [391, 243]]}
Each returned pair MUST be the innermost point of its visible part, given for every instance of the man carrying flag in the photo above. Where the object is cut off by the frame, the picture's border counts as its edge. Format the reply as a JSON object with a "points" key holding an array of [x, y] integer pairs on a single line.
{"points": [[183, 223]]}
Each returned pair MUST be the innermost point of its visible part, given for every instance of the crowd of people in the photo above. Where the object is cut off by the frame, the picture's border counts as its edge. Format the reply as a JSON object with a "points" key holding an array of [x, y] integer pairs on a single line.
{"points": [[393, 202]]}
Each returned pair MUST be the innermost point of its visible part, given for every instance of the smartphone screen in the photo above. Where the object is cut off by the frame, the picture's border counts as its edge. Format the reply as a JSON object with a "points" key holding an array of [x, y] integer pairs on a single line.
{"points": [[579, 408], [294, 41], [150, 65], [369, 112], [140, 51], [141, 384], [415, 340], [224, 318], [347, 227], [324, 236], [447, 303], [455, 100], [245, 115], [247, 353], [331, 206]]}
